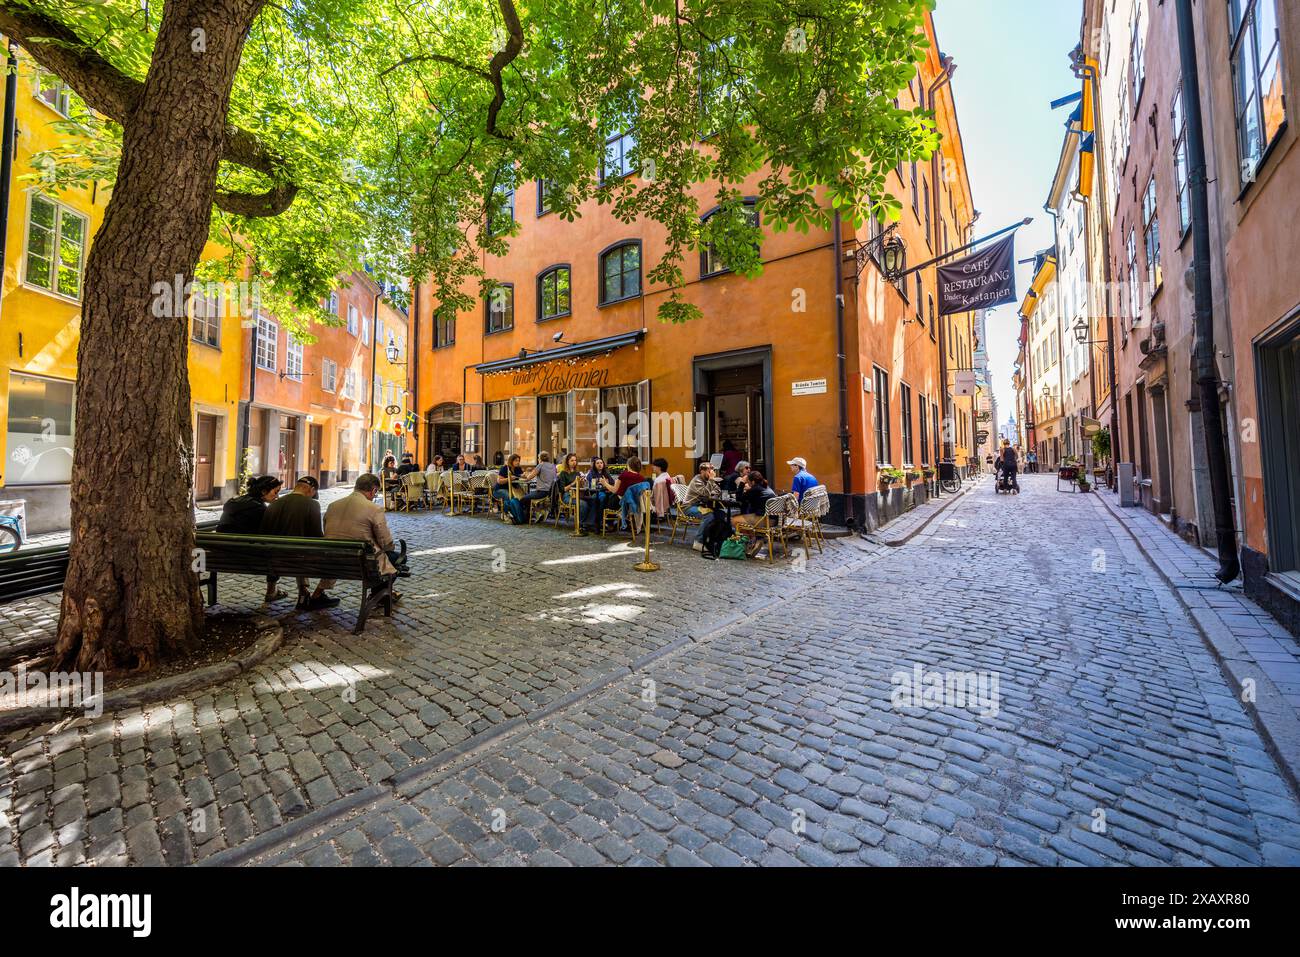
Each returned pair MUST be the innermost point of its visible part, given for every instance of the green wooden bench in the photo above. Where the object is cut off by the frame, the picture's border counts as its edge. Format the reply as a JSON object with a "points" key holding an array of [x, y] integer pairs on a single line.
{"points": [[284, 557], [39, 571]]}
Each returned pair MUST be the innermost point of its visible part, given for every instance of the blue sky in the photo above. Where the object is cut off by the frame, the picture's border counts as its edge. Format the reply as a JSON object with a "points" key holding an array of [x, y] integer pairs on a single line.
{"points": [[1012, 61]]}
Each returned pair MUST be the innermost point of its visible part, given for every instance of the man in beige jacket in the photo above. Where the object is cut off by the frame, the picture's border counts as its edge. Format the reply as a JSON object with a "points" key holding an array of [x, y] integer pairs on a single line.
{"points": [[356, 517]]}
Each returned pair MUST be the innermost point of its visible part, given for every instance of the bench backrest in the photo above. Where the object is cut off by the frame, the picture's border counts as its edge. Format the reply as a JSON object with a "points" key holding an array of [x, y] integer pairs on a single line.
{"points": [[345, 559], [33, 571]]}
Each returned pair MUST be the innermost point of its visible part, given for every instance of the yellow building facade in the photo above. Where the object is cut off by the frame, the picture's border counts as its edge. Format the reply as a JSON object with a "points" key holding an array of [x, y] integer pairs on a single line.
{"points": [[48, 233]]}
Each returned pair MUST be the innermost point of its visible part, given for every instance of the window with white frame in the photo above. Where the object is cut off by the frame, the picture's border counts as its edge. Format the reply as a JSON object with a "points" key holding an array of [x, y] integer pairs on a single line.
{"points": [[56, 247], [365, 331], [1139, 52], [52, 91], [293, 360], [1151, 235], [1180, 162], [353, 325], [333, 307], [349, 383], [1256, 56], [205, 324], [617, 161], [268, 334], [329, 375]]}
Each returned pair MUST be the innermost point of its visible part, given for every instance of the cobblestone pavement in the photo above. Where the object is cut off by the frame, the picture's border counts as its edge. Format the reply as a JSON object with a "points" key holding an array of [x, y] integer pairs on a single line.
{"points": [[1112, 736], [496, 624], [1115, 740]]}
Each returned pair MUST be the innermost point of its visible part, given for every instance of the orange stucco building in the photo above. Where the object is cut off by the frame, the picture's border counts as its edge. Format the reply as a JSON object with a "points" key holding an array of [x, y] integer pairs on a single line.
{"points": [[318, 407], [563, 358]]}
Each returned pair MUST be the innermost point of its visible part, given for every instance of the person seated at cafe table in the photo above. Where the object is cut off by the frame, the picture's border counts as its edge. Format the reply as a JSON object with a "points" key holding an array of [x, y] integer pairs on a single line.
{"points": [[599, 485], [408, 465], [511, 474], [627, 491], [661, 488], [752, 507], [569, 475], [803, 479], [477, 465], [544, 474], [701, 496], [437, 466], [734, 482]]}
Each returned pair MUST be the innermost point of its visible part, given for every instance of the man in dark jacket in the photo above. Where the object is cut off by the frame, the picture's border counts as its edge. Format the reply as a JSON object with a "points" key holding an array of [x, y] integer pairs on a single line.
{"points": [[296, 515], [242, 515]]}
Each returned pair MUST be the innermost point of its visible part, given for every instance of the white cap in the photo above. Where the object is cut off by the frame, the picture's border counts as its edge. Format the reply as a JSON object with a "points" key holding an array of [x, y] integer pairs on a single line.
{"points": [[799, 462]]}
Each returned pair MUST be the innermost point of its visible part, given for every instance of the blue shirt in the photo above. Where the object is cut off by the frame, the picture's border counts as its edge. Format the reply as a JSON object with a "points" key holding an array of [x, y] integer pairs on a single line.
{"points": [[803, 482]]}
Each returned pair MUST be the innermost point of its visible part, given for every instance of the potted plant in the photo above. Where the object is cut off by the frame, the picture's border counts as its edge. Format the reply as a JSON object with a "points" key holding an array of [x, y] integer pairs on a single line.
{"points": [[1084, 484], [890, 477], [913, 476]]}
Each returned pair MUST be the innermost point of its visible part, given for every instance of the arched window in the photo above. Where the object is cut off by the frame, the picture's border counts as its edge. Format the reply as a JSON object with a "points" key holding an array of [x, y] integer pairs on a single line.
{"points": [[553, 293], [620, 272]]}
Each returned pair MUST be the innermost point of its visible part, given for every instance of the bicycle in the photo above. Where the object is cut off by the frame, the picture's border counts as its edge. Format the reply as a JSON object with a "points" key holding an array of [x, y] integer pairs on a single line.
{"points": [[949, 480], [11, 534]]}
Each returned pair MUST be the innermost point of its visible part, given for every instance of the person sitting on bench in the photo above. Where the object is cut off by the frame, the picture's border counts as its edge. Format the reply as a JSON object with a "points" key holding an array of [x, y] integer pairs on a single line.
{"points": [[243, 514], [356, 517], [297, 515]]}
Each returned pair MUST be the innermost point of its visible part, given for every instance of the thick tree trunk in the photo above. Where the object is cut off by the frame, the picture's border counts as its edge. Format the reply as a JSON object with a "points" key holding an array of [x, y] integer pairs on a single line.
{"points": [[131, 597]]}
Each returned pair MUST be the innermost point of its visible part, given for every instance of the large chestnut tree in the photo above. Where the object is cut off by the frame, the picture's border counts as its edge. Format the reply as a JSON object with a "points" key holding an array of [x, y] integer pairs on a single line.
{"points": [[310, 136]]}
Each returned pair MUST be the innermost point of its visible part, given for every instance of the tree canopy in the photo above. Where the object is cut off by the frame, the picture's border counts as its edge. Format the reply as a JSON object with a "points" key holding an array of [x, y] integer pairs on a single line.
{"points": [[388, 133]]}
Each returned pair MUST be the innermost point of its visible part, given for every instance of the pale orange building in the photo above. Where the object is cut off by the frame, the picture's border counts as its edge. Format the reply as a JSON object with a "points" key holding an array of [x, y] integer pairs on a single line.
{"points": [[573, 343]]}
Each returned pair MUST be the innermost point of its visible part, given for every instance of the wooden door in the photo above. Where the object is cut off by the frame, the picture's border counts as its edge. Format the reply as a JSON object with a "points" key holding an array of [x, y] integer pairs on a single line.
{"points": [[205, 455]]}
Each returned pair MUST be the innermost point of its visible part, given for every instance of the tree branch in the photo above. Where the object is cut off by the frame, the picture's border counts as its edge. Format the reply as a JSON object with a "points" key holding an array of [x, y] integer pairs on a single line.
{"points": [[112, 93], [502, 59]]}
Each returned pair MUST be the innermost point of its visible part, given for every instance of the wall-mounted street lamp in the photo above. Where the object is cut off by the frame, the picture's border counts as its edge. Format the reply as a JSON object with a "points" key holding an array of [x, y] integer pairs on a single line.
{"points": [[887, 250], [393, 353], [1082, 331]]}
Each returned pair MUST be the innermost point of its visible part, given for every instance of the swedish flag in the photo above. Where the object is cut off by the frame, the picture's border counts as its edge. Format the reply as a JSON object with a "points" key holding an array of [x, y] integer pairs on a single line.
{"points": [[410, 421]]}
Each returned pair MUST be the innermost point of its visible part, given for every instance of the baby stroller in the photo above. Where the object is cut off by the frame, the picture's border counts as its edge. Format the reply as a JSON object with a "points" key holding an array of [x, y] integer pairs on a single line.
{"points": [[1005, 482]]}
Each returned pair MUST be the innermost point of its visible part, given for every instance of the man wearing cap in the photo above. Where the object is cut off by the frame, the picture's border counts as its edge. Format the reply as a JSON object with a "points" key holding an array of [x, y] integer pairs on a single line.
{"points": [[803, 479], [296, 515]]}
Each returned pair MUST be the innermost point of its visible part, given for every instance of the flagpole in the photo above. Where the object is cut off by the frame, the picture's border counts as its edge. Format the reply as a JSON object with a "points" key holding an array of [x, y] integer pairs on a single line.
{"points": [[979, 242]]}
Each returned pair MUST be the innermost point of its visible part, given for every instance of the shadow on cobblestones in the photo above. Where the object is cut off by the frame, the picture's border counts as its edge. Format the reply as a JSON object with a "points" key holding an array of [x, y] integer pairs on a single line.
{"points": [[495, 624]]}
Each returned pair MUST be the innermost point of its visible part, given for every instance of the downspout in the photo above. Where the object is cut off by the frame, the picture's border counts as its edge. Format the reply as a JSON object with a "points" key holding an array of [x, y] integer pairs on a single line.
{"points": [[1205, 353], [413, 374], [1089, 74], [846, 465], [246, 420], [7, 153], [374, 351], [936, 217]]}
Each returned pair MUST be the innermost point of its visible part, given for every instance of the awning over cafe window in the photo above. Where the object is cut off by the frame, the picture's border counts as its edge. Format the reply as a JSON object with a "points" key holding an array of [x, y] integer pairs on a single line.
{"points": [[563, 353]]}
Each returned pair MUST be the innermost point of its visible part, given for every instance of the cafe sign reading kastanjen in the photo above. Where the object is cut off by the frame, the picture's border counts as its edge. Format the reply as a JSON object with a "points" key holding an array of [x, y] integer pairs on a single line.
{"points": [[980, 281]]}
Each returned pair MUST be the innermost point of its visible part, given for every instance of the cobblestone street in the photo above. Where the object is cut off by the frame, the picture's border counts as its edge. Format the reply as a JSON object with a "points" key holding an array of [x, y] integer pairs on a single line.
{"points": [[535, 700]]}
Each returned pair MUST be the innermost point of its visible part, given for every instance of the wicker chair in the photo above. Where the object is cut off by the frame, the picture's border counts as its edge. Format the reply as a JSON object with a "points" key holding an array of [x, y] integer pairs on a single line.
{"points": [[680, 518], [772, 526], [410, 491], [480, 491], [458, 493], [564, 511], [815, 506]]}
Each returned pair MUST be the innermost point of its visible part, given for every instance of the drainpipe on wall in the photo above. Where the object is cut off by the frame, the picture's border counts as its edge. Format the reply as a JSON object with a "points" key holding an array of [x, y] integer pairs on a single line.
{"points": [[948, 408], [413, 374], [846, 465], [7, 152], [1207, 369], [374, 351]]}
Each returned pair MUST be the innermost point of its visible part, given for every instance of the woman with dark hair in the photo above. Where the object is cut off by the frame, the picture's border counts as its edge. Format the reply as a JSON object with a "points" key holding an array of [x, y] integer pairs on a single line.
{"points": [[510, 490], [752, 500], [242, 515], [600, 485]]}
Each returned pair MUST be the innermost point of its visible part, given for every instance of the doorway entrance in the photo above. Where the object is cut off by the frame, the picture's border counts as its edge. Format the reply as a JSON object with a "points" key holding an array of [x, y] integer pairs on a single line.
{"points": [[444, 432], [734, 394], [1278, 362], [314, 453], [205, 457], [288, 452]]}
